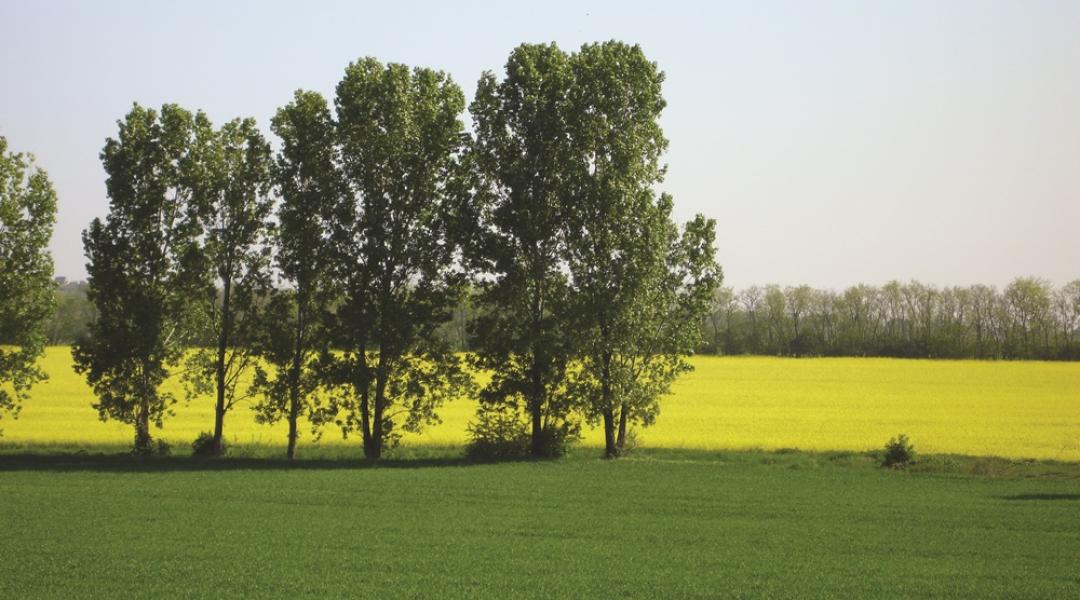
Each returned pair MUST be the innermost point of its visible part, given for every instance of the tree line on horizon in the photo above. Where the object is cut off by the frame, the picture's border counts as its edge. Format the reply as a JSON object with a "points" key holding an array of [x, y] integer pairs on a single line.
{"points": [[1028, 319], [322, 271]]}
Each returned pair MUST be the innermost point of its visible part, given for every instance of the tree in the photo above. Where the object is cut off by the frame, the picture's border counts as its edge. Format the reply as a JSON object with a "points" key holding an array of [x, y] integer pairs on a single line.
{"points": [[144, 269], [798, 300], [623, 375], [295, 335], [72, 315], [233, 205], [518, 164], [1067, 306], [27, 215], [631, 321], [400, 134], [1028, 304], [776, 312]]}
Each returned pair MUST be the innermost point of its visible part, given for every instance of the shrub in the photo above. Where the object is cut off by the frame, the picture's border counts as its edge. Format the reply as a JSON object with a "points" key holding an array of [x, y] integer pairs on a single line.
{"points": [[158, 447], [497, 435], [204, 445], [899, 452], [503, 434]]}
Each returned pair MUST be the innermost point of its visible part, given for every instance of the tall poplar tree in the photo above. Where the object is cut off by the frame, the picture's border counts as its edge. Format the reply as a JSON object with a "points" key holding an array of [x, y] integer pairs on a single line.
{"points": [[518, 164], [294, 337], [27, 215], [638, 290], [144, 269], [400, 133], [232, 184]]}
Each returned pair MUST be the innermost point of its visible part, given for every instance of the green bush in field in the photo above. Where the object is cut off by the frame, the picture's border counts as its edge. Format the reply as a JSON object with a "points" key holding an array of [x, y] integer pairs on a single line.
{"points": [[204, 445], [899, 452], [501, 434], [157, 447]]}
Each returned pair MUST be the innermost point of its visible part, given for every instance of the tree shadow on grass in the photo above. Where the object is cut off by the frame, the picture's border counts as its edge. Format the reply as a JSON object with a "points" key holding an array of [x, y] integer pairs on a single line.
{"points": [[1075, 497], [122, 463]]}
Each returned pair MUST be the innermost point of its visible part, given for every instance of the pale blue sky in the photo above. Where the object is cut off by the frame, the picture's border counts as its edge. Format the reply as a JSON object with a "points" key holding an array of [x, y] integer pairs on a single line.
{"points": [[834, 142]]}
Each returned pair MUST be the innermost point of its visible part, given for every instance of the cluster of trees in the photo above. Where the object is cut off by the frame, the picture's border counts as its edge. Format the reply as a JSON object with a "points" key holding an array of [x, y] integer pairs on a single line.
{"points": [[27, 215], [1028, 319], [324, 272], [333, 281]]}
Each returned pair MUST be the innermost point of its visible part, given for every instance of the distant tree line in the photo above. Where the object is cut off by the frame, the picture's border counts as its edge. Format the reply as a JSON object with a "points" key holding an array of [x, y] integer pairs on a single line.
{"points": [[324, 282], [1029, 319]]}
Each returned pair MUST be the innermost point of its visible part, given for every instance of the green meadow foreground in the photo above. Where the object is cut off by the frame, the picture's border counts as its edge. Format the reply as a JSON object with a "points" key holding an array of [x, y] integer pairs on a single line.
{"points": [[982, 408], [658, 524]]}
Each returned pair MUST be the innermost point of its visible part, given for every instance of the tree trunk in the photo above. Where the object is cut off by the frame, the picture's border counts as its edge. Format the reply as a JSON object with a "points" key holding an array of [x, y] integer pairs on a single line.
{"points": [[610, 449], [611, 444], [290, 453], [223, 345], [620, 443], [143, 443], [373, 445], [538, 447], [294, 382], [536, 402]]}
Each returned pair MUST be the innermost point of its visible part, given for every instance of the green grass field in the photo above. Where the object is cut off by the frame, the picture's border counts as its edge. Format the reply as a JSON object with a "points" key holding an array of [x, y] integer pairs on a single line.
{"points": [[659, 524], [1011, 409]]}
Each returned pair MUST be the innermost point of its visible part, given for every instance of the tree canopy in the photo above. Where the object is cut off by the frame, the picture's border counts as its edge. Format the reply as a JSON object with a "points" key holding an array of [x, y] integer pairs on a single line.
{"points": [[144, 268], [27, 215]]}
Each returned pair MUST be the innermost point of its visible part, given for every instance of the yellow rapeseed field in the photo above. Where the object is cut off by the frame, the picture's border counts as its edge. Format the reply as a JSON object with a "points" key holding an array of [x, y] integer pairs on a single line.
{"points": [[1013, 409]]}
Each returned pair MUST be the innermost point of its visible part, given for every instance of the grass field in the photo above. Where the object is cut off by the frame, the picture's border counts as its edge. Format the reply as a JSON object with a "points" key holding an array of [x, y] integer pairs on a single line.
{"points": [[660, 524], [1011, 409]]}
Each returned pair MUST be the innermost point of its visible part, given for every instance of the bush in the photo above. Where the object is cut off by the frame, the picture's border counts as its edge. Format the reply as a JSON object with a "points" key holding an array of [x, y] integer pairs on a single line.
{"points": [[204, 445], [497, 435], [899, 452], [157, 447], [502, 434]]}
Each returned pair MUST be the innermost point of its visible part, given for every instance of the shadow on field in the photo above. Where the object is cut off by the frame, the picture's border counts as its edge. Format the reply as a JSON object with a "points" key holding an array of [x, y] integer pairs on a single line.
{"points": [[1042, 497], [119, 463]]}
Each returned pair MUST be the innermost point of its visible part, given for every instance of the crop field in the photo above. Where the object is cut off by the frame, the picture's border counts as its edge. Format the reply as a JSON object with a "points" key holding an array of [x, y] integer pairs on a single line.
{"points": [[675, 524], [1009, 409]]}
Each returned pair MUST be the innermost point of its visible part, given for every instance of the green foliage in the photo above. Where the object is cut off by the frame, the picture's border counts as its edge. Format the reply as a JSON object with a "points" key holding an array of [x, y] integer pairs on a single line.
{"points": [[72, 316], [500, 432], [400, 133], [144, 268], [497, 434], [899, 452], [27, 215], [207, 444], [1029, 319], [293, 335], [638, 288], [231, 184], [517, 167]]}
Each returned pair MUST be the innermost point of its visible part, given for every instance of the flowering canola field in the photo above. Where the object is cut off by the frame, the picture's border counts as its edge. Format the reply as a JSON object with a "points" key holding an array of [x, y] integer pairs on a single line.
{"points": [[1012, 409]]}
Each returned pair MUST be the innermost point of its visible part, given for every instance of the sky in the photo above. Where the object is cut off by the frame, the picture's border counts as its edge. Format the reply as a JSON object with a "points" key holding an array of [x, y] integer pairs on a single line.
{"points": [[835, 143]]}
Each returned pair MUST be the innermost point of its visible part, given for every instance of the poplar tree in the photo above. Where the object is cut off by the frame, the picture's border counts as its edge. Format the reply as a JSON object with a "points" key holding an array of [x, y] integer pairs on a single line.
{"points": [[400, 133], [295, 337], [27, 215], [638, 289], [144, 269], [518, 165], [233, 205]]}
